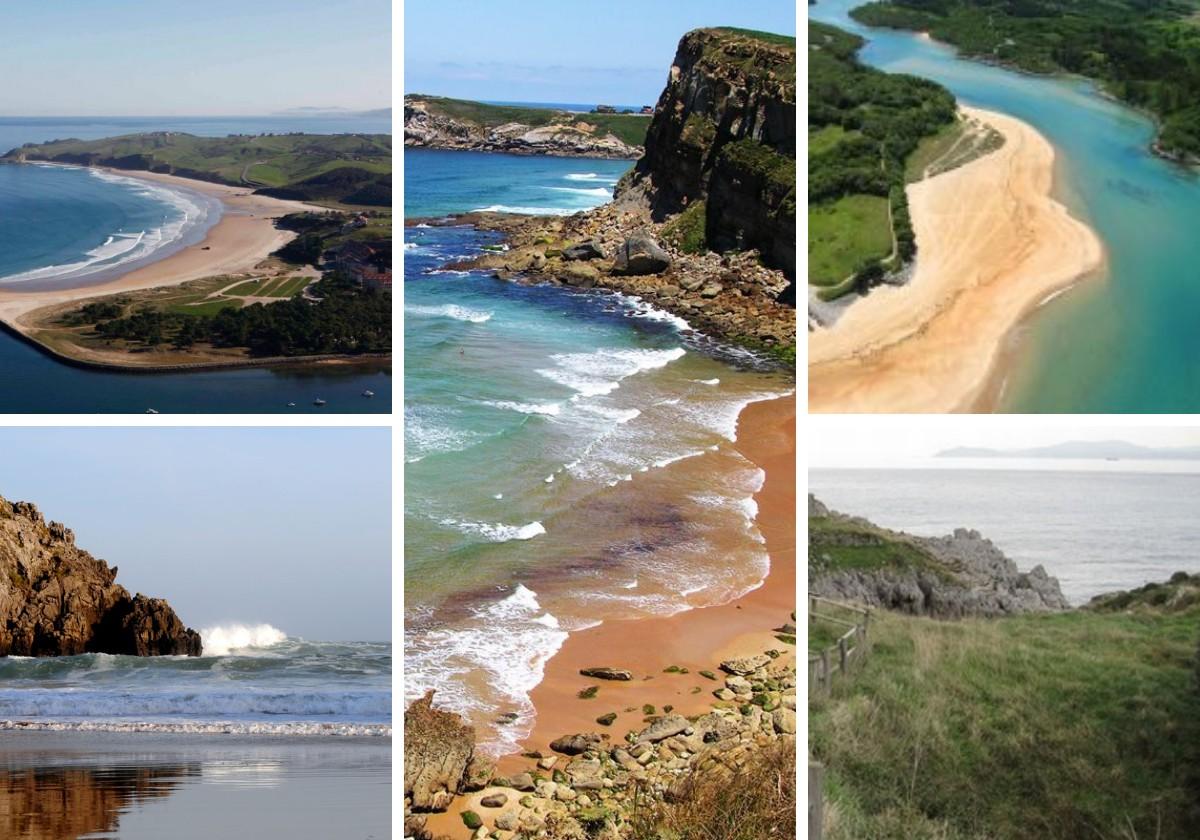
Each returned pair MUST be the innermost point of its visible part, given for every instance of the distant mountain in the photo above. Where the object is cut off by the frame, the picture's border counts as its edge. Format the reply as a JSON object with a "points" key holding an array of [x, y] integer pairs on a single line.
{"points": [[1094, 449]]}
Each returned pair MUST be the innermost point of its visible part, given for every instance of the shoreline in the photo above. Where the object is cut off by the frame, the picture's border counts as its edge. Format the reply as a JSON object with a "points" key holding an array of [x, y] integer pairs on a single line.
{"points": [[696, 639], [937, 344]]}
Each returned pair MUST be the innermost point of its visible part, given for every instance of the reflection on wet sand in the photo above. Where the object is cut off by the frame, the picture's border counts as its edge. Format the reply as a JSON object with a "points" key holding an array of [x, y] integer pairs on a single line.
{"points": [[65, 803]]}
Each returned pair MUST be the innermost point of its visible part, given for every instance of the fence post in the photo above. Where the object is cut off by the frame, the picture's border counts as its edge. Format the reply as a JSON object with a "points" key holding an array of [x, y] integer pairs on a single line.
{"points": [[842, 653], [825, 675], [816, 802]]}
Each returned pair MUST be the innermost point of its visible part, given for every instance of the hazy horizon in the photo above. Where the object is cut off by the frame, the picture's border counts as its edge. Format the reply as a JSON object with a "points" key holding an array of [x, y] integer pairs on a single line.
{"points": [[133, 58], [288, 526], [617, 53]]}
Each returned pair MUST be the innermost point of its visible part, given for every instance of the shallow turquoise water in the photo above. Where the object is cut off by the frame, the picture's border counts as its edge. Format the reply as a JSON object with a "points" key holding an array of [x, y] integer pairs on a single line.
{"points": [[1126, 340]]}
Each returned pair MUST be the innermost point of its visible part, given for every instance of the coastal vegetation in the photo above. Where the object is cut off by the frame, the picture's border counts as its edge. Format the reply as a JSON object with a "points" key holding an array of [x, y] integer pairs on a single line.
{"points": [[864, 126], [1040, 722], [629, 128], [349, 169], [1145, 52]]}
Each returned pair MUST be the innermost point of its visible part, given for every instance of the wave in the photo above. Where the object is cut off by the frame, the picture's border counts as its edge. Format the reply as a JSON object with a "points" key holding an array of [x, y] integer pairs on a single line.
{"points": [[498, 532], [527, 211], [451, 310], [591, 176], [196, 702], [291, 728], [600, 372], [598, 192], [508, 642], [546, 409], [223, 640], [121, 248], [638, 308]]}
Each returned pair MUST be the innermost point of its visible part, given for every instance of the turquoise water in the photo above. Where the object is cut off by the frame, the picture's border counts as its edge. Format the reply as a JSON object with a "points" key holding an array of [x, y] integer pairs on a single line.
{"points": [[1125, 340], [61, 222], [568, 454]]}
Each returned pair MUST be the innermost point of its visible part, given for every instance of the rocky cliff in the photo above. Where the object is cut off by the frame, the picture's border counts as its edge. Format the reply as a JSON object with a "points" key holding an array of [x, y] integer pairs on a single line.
{"points": [[58, 600], [724, 133], [427, 125], [955, 576]]}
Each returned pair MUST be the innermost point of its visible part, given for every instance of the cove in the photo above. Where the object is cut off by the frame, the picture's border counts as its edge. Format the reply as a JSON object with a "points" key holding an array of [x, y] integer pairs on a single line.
{"points": [[1126, 339]]}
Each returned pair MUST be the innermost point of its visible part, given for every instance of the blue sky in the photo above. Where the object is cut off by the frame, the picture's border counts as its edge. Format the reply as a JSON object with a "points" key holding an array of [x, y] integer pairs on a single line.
{"points": [[217, 57], [616, 52], [290, 526]]}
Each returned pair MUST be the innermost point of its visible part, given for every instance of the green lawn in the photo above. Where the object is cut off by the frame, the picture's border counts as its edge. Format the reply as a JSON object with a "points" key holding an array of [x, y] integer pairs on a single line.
{"points": [[1072, 725], [845, 233]]}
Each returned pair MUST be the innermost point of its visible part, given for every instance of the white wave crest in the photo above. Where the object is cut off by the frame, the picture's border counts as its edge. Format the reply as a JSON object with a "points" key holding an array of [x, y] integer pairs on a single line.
{"points": [[225, 639], [600, 372], [451, 310], [598, 192], [527, 211], [498, 532], [547, 409]]}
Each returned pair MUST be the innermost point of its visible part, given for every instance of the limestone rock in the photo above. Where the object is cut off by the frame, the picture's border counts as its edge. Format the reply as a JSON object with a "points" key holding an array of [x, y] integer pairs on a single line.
{"points": [[437, 748], [639, 254], [575, 744], [607, 674], [745, 665], [589, 250], [664, 728], [494, 800]]}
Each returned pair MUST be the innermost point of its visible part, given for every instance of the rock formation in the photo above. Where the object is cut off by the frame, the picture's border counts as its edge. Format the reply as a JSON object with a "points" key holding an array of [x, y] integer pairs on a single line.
{"points": [[572, 136], [724, 133], [58, 600], [438, 748], [955, 576]]}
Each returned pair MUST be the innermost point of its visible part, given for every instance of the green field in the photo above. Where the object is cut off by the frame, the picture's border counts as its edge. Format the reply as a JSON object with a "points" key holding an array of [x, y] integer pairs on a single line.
{"points": [[845, 233], [629, 128], [1079, 724], [350, 168]]}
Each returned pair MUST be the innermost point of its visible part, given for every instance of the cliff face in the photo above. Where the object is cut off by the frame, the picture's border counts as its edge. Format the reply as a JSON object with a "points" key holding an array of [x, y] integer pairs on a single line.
{"points": [[58, 600], [425, 127], [724, 132], [955, 576]]}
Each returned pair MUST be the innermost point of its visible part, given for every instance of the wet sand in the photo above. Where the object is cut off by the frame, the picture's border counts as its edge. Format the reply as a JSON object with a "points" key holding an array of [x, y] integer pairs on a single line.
{"points": [[993, 245], [63, 786], [244, 236]]}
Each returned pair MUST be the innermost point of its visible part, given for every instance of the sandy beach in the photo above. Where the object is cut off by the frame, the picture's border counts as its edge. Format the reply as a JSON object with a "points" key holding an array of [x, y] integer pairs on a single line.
{"points": [[993, 245], [242, 238], [698, 639]]}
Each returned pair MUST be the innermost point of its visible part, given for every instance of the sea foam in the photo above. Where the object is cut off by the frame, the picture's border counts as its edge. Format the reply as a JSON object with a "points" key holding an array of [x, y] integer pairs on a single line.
{"points": [[244, 638]]}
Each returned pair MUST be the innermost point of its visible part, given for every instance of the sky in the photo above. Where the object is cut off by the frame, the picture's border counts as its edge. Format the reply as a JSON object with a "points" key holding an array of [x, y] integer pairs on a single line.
{"points": [[616, 52], [217, 57], [875, 441], [290, 526]]}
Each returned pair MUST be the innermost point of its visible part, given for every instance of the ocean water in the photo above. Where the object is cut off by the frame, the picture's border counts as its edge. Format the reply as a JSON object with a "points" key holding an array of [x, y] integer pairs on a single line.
{"points": [[250, 680], [568, 453], [1124, 341], [66, 226], [1096, 526]]}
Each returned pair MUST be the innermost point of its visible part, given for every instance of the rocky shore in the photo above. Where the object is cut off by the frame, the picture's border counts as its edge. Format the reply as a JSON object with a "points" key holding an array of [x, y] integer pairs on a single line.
{"points": [[425, 127], [955, 576], [599, 784], [58, 600]]}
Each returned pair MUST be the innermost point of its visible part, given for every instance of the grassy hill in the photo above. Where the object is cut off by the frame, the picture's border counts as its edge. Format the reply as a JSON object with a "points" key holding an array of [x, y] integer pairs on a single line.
{"points": [[351, 169], [1083, 723], [628, 128], [1146, 52]]}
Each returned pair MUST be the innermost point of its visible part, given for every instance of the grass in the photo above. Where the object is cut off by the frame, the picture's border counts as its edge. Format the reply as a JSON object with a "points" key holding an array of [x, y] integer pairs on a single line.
{"points": [[844, 234], [686, 230], [825, 138], [629, 128], [759, 35], [930, 149], [1078, 724], [837, 544]]}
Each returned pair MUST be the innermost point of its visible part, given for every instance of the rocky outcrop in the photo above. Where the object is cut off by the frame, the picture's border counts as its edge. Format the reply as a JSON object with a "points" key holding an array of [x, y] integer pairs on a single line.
{"points": [[954, 576], [438, 747], [58, 600], [427, 127], [724, 132]]}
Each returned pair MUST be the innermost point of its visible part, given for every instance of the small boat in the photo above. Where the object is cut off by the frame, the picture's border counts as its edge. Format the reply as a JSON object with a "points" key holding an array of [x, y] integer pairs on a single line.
{"points": [[151, 411], [291, 405], [368, 393], [318, 402]]}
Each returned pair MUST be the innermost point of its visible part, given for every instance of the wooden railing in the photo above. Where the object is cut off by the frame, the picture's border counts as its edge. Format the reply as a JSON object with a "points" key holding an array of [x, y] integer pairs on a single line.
{"points": [[850, 647]]}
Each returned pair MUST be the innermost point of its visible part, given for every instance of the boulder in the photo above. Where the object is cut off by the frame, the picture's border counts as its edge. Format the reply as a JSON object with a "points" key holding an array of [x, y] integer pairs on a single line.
{"points": [[575, 744], [589, 250], [579, 275], [784, 720], [607, 674], [494, 800], [745, 665], [507, 821], [663, 728], [437, 748], [639, 254], [711, 290], [522, 781]]}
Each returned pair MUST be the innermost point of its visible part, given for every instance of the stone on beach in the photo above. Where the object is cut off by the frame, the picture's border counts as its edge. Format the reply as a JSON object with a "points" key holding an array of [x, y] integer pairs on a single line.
{"points": [[607, 674]]}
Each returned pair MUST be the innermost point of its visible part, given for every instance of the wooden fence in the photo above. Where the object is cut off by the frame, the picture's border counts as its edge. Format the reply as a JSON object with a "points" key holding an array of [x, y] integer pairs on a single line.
{"points": [[850, 647]]}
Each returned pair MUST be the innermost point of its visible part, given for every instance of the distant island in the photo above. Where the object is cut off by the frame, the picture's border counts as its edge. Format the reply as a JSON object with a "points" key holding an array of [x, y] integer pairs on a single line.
{"points": [[439, 122], [1081, 449]]}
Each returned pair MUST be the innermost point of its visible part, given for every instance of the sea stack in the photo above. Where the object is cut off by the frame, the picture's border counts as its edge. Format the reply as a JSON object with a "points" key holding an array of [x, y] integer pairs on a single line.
{"points": [[58, 600]]}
